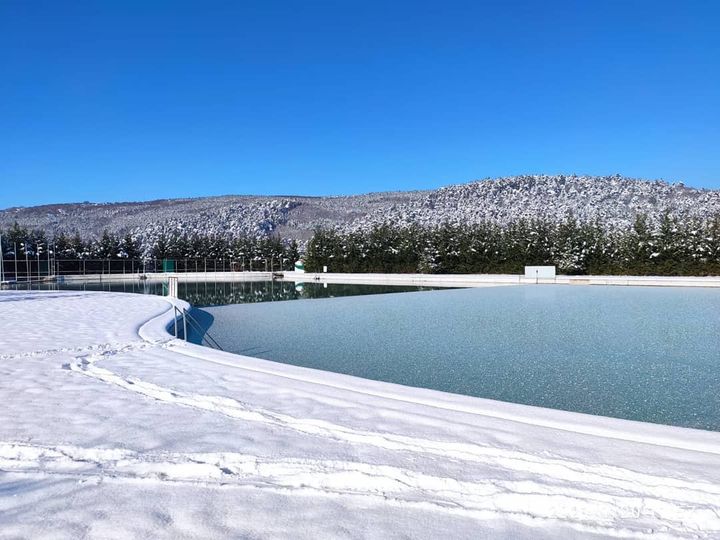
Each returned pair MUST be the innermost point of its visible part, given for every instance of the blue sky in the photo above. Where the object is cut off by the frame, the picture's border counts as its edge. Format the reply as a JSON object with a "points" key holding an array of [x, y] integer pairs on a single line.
{"points": [[112, 101]]}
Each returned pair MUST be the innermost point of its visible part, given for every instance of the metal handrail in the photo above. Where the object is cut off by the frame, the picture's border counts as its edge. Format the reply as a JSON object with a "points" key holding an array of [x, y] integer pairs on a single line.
{"points": [[205, 335]]}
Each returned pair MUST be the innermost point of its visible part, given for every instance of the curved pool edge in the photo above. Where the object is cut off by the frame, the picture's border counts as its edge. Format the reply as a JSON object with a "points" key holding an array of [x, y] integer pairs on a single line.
{"points": [[156, 330]]}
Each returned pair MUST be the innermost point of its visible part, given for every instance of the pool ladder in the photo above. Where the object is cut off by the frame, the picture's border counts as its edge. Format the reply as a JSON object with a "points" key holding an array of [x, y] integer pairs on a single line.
{"points": [[187, 318]]}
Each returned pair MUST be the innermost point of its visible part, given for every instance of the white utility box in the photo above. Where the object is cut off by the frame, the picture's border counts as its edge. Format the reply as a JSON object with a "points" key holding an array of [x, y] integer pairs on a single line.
{"points": [[540, 272]]}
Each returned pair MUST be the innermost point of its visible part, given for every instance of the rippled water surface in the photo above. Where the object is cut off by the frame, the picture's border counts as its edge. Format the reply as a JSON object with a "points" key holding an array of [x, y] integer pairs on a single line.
{"points": [[642, 353]]}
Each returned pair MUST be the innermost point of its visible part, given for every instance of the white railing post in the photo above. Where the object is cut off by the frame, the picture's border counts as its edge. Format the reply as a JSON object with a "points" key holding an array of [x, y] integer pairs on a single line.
{"points": [[173, 286]]}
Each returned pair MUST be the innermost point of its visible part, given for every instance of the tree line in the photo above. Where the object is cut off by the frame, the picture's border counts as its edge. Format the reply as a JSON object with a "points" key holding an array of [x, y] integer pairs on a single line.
{"points": [[666, 247], [18, 241]]}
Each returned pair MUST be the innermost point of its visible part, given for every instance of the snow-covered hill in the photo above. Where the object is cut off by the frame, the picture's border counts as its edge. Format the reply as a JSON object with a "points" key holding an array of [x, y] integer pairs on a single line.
{"points": [[612, 200]]}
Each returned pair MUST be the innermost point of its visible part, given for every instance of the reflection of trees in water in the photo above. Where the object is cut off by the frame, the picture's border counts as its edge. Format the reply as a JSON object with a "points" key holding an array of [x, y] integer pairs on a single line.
{"points": [[318, 290], [208, 294], [238, 292]]}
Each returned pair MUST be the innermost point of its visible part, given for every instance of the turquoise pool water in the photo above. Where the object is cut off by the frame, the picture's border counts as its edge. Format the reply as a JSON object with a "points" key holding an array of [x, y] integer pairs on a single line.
{"points": [[642, 353]]}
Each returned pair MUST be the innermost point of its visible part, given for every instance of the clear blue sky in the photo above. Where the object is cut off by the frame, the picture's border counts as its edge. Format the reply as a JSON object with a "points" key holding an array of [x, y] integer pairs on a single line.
{"points": [[124, 100]]}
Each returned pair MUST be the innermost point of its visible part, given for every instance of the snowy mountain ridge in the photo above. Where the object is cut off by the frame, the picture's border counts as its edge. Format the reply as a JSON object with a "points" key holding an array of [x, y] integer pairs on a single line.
{"points": [[611, 200]]}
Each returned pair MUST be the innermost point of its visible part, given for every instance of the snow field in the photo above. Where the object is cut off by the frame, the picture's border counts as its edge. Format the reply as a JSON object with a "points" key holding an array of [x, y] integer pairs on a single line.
{"points": [[111, 428]]}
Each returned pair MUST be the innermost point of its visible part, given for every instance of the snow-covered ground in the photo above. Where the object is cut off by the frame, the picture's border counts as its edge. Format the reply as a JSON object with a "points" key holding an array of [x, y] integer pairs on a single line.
{"points": [[110, 428]]}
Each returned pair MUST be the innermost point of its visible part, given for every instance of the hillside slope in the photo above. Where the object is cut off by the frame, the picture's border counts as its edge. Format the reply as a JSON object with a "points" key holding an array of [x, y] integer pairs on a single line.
{"points": [[612, 200]]}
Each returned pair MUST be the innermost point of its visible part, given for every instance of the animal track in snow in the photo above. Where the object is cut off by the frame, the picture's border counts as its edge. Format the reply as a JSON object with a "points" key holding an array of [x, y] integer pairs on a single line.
{"points": [[557, 489], [520, 500]]}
